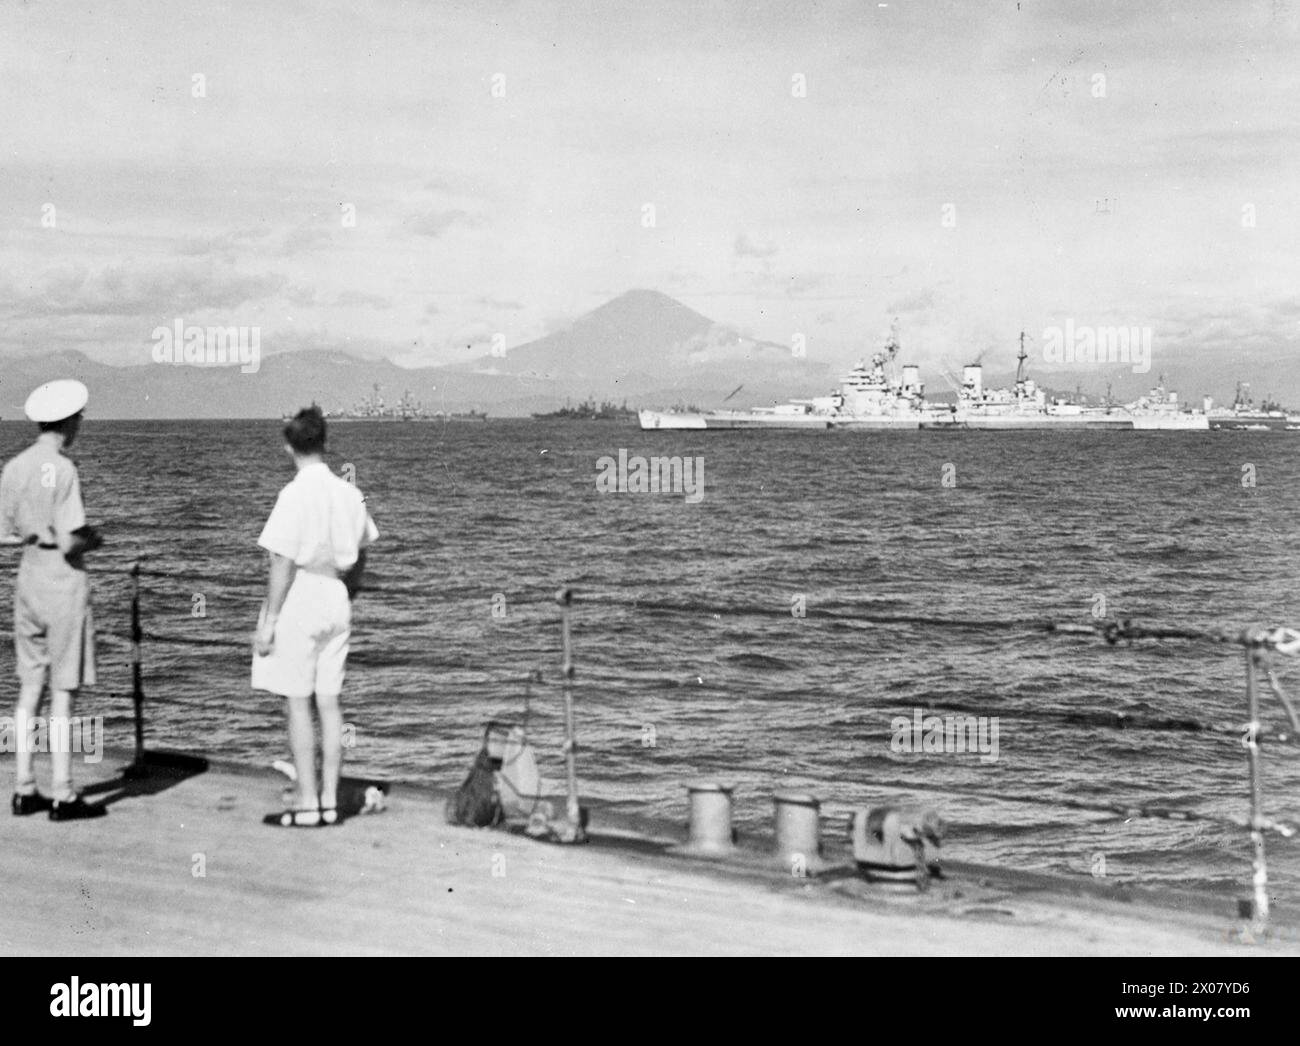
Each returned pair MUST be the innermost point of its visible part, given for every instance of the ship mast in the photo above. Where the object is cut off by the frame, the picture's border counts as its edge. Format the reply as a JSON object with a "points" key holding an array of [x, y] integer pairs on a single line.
{"points": [[1020, 367]]}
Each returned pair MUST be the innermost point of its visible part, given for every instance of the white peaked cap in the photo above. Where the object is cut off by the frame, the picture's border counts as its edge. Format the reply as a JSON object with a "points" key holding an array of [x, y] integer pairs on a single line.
{"points": [[56, 400]]}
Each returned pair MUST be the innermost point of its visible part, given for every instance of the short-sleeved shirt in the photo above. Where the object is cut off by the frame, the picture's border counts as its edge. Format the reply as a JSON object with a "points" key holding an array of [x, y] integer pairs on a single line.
{"points": [[40, 495], [319, 521]]}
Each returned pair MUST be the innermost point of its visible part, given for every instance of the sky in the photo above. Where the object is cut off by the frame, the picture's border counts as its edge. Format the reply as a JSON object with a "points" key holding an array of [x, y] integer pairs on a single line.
{"points": [[408, 179]]}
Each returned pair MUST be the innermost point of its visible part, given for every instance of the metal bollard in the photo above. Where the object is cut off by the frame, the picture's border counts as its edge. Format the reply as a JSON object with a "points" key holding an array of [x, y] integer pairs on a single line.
{"points": [[710, 833], [798, 833]]}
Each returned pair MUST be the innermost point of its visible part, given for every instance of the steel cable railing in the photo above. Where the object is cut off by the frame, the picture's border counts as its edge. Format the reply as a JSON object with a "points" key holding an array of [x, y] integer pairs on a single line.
{"points": [[1259, 645]]}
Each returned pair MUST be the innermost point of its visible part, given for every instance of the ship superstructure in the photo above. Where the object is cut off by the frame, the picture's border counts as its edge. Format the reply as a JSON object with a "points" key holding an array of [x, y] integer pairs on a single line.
{"points": [[1244, 415], [870, 396], [590, 410], [407, 408], [1025, 405]]}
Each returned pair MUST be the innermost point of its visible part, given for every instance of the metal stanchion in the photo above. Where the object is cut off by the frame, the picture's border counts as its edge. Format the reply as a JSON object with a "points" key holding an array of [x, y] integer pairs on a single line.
{"points": [[1259, 913], [573, 831], [139, 768]]}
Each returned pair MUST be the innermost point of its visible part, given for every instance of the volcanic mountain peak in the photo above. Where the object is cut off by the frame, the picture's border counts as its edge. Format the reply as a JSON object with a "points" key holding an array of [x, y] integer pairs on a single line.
{"points": [[638, 333], [642, 309]]}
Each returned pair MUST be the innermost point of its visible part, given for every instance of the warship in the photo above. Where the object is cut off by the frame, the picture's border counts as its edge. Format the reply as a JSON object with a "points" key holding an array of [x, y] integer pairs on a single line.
{"points": [[373, 408], [873, 397], [1025, 405], [1243, 415], [590, 410], [869, 397]]}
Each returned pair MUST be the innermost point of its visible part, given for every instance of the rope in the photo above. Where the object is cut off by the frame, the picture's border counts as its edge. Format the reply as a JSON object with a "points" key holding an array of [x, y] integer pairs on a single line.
{"points": [[1279, 641], [1165, 813], [1119, 720], [1271, 675], [157, 637], [1112, 720]]}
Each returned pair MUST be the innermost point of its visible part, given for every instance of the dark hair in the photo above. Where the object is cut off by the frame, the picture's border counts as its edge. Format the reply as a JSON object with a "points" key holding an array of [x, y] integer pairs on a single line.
{"points": [[62, 425], [306, 432]]}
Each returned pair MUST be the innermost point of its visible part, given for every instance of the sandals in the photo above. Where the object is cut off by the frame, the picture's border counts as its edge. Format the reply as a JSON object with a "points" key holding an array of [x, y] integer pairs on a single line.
{"points": [[294, 819]]}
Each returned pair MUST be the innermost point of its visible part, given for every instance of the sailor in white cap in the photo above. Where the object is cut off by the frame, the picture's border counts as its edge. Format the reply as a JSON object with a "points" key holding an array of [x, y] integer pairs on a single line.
{"points": [[54, 634]]}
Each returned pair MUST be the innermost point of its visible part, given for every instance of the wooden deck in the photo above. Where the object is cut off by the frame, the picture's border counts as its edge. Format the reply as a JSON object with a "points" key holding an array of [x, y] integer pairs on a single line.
{"points": [[403, 882]]}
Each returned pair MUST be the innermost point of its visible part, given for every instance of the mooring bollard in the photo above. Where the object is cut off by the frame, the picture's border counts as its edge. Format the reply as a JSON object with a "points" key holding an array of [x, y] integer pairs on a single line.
{"points": [[798, 832], [709, 834]]}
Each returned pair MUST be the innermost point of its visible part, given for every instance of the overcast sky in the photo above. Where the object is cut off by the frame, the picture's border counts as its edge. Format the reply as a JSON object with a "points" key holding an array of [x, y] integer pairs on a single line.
{"points": [[512, 210]]}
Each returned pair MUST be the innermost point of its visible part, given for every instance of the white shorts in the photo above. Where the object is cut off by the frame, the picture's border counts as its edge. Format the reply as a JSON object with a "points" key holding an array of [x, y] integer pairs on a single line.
{"points": [[311, 640], [54, 629]]}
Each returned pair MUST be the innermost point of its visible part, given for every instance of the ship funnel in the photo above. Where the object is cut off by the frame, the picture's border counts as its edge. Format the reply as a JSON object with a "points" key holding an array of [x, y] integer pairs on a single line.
{"points": [[972, 378], [911, 377]]}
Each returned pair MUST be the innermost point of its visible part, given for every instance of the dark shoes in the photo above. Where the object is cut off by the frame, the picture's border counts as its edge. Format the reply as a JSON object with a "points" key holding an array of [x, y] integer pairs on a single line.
{"points": [[25, 805], [75, 809]]}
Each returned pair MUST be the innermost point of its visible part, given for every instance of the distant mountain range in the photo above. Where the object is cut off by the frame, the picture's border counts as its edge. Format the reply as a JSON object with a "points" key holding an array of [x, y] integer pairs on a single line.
{"points": [[643, 347]]}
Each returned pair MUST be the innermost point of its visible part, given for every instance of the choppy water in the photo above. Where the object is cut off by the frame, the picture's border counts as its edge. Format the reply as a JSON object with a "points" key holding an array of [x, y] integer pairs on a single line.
{"points": [[1039, 524]]}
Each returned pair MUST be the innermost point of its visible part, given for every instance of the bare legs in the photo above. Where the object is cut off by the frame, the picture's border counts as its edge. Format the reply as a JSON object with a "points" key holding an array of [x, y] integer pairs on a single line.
{"points": [[331, 748], [29, 703], [302, 742], [61, 746], [59, 738]]}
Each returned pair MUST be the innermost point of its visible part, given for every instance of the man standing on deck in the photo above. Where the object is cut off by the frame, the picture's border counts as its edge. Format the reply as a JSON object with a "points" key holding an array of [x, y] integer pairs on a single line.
{"points": [[317, 536], [54, 634]]}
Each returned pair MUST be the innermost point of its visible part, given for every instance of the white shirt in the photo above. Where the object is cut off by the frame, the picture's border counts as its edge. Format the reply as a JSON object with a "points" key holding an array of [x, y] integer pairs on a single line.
{"points": [[40, 495], [319, 521]]}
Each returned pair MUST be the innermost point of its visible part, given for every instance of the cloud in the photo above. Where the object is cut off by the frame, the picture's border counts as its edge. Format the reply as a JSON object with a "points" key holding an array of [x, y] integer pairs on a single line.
{"points": [[436, 223], [300, 296], [796, 286], [128, 290], [225, 245], [305, 238], [497, 303], [917, 301], [361, 298], [744, 247]]}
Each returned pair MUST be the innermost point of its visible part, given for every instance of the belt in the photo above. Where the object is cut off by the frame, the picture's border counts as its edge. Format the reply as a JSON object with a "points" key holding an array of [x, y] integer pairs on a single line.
{"points": [[326, 572]]}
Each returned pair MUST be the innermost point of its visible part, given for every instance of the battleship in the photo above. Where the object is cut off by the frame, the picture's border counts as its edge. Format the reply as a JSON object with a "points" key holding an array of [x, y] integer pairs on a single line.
{"points": [[872, 397], [373, 408], [1243, 415], [1025, 405], [590, 410], [869, 397]]}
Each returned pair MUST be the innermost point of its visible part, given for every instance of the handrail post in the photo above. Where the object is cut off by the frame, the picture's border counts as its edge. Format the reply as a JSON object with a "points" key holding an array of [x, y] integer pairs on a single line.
{"points": [[1260, 908], [139, 768], [574, 833]]}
